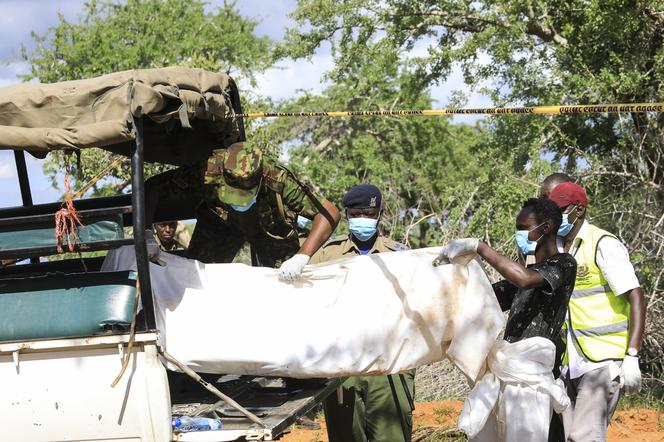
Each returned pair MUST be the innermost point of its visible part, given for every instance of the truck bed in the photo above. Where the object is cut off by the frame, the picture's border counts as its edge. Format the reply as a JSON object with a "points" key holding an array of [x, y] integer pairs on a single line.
{"points": [[276, 402]]}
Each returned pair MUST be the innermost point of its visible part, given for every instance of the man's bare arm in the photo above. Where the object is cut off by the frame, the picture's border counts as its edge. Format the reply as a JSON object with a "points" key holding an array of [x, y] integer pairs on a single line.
{"points": [[321, 229]]}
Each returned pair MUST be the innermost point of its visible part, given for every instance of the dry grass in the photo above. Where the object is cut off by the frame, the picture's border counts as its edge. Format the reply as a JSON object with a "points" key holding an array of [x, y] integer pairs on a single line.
{"points": [[437, 434], [440, 381]]}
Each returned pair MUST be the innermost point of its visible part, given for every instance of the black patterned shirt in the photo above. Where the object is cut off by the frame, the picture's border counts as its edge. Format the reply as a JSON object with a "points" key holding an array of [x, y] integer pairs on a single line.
{"points": [[539, 311]]}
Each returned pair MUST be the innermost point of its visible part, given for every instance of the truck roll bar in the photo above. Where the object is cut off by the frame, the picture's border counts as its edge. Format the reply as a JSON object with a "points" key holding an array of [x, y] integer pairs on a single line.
{"points": [[138, 221]]}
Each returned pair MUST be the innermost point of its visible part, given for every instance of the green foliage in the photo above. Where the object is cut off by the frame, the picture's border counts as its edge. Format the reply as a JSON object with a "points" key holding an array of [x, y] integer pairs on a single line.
{"points": [[139, 34], [533, 52], [114, 36], [439, 180], [650, 396], [397, 153]]}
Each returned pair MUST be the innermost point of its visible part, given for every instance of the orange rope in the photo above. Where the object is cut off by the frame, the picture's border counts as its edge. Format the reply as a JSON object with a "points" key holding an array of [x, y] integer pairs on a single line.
{"points": [[66, 220]]}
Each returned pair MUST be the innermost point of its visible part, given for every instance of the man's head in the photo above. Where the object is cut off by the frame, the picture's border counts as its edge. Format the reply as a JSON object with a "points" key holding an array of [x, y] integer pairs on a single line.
{"points": [[540, 217], [242, 170], [363, 204], [166, 231], [551, 182], [572, 200], [363, 201]]}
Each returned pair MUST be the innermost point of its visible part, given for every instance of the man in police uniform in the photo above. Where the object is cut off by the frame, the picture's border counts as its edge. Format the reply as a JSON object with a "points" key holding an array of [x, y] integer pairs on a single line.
{"points": [[374, 408], [249, 199], [605, 320], [171, 235]]}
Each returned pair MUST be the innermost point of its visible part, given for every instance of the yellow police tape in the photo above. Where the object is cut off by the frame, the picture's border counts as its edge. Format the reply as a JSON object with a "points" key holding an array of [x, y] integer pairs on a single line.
{"points": [[539, 110]]}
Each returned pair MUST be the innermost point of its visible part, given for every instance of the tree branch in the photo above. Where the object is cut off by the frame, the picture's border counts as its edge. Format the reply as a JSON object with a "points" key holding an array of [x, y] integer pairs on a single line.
{"points": [[537, 28]]}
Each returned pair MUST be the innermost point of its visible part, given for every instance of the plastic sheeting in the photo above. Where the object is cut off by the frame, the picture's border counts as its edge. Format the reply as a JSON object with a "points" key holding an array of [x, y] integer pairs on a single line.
{"points": [[375, 314], [515, 398]]}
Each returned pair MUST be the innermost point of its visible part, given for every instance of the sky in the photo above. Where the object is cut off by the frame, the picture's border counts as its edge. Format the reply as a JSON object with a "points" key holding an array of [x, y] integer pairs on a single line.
{"points": [[18, 18]]}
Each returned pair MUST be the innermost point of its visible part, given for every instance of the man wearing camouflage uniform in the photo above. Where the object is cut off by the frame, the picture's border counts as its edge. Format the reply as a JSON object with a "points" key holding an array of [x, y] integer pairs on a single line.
{"points": [[374, 408], [250, 198]]}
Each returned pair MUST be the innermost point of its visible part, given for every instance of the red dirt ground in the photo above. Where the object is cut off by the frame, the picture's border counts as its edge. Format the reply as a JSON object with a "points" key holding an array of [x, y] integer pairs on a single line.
{"points": [[633, 425]]}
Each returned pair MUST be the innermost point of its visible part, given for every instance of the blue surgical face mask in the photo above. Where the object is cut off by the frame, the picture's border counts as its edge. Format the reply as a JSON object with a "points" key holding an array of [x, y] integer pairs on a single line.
{"points": [[303, 223], [565, 225], [363, 228], [244, 208], [526, 246]]}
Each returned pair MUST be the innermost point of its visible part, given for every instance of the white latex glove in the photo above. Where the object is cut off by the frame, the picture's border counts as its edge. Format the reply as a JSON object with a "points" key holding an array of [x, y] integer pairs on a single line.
{"points": [[291, 269], [631, 373], [465, 249]]}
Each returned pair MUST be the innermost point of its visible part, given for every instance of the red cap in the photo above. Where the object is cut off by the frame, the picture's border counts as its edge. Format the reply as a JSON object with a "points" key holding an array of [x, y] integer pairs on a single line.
{"points": [[565, 194]]}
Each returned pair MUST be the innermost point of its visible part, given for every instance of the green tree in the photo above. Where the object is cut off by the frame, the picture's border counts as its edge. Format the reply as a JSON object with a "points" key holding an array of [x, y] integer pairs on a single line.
{"points": [[439, 180], [113, 36], [529, 52], [532, 52]]}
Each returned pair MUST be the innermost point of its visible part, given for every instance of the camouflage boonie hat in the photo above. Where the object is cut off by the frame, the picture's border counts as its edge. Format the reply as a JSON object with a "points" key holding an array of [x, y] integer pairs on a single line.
{"points": [[242, 169]]}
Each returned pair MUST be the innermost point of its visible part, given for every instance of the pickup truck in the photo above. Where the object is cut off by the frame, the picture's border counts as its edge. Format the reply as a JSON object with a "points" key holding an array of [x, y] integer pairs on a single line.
{"points": [[67, 329]]}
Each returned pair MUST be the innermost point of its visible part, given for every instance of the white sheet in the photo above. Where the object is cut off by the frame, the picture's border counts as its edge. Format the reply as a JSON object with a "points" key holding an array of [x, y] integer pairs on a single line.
{"points": [[377, 314], [514, 400]]}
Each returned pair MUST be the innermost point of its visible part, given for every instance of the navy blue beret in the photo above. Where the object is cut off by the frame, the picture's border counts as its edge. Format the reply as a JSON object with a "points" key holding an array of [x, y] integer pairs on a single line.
{"points": [[362, 196]]}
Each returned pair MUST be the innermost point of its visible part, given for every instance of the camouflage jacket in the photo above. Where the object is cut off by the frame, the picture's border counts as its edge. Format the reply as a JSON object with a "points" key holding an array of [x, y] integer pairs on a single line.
{"points": [[280, 198]]}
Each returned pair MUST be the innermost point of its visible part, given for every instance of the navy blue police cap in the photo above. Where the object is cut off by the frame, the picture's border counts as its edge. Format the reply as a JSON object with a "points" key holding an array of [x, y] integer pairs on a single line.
{"points": [[362, 196]]}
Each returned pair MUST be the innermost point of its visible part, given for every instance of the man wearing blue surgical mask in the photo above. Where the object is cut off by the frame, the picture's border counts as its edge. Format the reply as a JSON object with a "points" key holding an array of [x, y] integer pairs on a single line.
{"points": [[363, 210], [536, 295], [556, 434], [250, 198], [605, 322], [374, 408]]}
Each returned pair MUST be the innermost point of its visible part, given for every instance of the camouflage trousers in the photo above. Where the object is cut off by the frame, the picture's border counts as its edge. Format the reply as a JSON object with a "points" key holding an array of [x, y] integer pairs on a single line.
{"points": [[217, 241]]}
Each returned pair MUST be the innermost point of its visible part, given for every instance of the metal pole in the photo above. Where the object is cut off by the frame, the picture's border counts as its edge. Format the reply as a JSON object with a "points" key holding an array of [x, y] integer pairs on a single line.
{"points": [[411, 403], [138, 221], [24, 182], [211, 388]]}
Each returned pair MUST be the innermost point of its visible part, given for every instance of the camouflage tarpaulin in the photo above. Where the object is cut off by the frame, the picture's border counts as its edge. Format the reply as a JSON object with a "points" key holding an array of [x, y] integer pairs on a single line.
{"points": [[187, 114]]}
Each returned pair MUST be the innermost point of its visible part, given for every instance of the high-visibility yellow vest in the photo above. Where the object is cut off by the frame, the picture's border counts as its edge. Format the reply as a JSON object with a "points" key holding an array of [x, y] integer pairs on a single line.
{"points": [[597, 319]]}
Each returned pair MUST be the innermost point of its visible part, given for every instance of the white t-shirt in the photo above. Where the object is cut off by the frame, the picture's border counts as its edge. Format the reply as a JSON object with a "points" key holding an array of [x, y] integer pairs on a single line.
{"points": [[613, 261]]}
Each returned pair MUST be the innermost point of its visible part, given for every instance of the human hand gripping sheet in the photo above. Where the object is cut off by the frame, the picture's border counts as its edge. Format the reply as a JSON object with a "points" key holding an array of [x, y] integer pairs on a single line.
{"points": [[374, 314]]}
